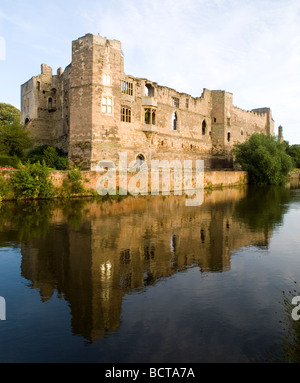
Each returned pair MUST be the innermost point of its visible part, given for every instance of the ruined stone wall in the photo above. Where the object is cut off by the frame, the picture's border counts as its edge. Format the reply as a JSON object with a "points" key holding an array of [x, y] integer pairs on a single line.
{"points": [[42, 108], [96, 111]]}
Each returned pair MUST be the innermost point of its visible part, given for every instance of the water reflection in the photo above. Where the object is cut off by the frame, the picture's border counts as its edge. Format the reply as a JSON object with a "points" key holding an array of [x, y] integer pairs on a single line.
{"points": [[94, 252]]}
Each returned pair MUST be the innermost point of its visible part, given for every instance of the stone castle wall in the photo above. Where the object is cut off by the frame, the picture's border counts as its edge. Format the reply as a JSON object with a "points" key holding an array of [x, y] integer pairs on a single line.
{"points": [[93, 110]]}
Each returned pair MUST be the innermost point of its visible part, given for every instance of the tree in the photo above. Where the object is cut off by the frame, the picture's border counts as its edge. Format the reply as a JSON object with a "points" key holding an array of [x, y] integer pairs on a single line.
{"points": [[8, 115], [14, 140], [294, 152], [264, 158]]}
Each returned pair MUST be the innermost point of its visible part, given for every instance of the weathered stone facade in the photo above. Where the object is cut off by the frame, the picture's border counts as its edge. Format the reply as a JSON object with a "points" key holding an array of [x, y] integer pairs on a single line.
{"points": [[93, 111]]}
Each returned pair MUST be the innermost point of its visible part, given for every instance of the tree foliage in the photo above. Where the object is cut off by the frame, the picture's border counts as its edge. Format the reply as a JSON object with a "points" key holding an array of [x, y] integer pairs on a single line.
{"points": [[32, 181], [294, 152], [265, 159], [53, 157], [9, 115], [14, 140]]}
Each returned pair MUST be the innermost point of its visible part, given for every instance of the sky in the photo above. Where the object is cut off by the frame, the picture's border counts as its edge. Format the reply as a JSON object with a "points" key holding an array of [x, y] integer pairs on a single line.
{"points": [[250, 48]]}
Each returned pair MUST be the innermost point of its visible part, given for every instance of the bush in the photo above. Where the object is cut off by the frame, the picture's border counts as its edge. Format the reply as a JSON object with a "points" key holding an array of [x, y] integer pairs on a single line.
{"points": [[32, 181], [72, 185], [8, 161], [265, 159], [53, 157]]}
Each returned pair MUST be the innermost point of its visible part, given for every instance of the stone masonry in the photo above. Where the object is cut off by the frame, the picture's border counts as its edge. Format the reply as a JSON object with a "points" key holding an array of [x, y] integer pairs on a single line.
{"points": [[92, 110]]}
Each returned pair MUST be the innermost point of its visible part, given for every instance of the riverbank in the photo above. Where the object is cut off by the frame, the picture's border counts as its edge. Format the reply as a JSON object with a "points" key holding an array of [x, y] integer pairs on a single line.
{"points": [[89, 180]]}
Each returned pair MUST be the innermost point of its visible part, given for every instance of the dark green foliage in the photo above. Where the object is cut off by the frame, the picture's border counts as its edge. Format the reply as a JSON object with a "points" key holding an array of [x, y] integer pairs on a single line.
{"points": [[72, 185], [265, 159], [294, 152], [53, 157], [8, 161], [14, 140], [32, 181]]}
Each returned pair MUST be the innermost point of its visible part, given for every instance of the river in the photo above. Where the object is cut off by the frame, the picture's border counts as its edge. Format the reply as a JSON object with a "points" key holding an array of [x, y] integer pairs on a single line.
{"points": [[149, 279]]}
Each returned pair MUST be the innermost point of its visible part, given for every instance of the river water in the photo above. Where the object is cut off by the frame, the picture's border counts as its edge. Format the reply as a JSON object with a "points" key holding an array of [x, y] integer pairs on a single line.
{"points": [[148, 279]]}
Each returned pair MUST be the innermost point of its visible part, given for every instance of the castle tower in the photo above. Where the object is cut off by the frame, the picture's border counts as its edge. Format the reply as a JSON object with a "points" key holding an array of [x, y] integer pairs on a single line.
{"points": [[280, 135], [97, 68]]}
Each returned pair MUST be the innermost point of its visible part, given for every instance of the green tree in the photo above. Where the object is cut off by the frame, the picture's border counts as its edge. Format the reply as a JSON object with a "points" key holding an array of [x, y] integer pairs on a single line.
{"points": [[264, 158], [294, 152], [14, 140], [9, 115]]}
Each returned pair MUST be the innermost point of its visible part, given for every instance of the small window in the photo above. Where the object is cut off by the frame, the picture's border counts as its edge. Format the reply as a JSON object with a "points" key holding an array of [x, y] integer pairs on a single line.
{"points": [[106, 105], [203, 127], [187, 103], [26, 121], [228, 136], [242, 132], [174, 121], [125, 114], [106, 79], [38, 85], [228, 121], [175, 102], [215, 120]]}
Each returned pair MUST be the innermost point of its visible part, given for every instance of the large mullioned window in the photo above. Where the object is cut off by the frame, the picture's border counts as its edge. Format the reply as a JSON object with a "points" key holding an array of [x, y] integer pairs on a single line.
{"points": [[127, 87]]}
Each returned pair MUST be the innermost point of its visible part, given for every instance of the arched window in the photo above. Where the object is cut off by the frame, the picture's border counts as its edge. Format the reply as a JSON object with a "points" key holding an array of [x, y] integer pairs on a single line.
{"points": [[203, 127], [140, 159], [153, 117], [174, 121], [50, 103], [147, 116], [26, 121]]}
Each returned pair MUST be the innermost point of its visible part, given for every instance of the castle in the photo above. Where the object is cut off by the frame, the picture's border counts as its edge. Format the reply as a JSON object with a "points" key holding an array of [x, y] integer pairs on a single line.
{"points": [[92, 110]]}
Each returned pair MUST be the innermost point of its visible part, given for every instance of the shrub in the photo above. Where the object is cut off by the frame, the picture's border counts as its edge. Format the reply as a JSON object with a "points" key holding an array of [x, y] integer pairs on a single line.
{"points": [[73, 184], [8, 161], [53, 157], [32, 181], [264, 158]]}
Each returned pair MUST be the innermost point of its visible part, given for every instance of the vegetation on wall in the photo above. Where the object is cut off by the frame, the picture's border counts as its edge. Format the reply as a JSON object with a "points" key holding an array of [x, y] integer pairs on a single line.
{"points": [[265, 159]]}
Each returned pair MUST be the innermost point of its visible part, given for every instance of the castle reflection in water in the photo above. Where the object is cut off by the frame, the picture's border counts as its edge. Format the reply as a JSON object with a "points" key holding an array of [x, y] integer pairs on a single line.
{"points": [[94, 253]]}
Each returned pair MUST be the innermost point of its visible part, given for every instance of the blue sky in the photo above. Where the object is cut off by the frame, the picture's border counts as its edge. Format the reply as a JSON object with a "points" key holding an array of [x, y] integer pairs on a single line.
{"points": [[250, 48]]}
